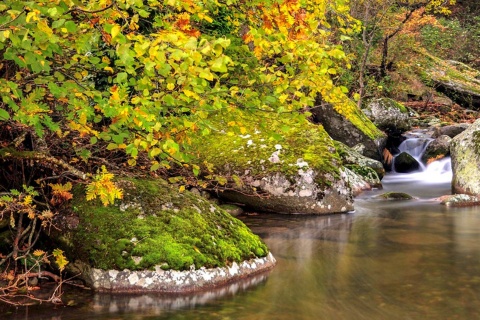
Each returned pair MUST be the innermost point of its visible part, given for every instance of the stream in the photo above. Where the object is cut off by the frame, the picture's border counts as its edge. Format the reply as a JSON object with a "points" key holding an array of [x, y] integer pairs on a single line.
{"points": [[410, 259]]}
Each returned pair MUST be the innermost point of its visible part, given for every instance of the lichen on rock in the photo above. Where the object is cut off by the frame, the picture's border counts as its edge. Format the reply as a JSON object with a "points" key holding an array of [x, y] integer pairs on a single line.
{"points": [[465, 154]]}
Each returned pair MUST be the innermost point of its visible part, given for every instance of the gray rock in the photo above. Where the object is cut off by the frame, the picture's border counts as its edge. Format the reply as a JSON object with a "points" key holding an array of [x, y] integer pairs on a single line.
{"points": [[388, 115], [437, 149], [352, 132], [450, 131], [357, 182], [465, 153], [460, 200], [405, 163], [350, 156]]}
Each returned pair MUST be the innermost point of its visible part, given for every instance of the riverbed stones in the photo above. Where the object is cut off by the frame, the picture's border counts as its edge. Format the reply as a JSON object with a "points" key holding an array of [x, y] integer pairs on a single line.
{"points": [[460, 200], [450, 130], [465, 153]]}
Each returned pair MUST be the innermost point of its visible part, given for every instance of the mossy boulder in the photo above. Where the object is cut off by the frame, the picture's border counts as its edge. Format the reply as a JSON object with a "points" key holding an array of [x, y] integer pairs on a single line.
{"points": [[395, 196], [274, 165], [388, 115], [154, 227], [349, 125], [456, 80], [465, 154]]}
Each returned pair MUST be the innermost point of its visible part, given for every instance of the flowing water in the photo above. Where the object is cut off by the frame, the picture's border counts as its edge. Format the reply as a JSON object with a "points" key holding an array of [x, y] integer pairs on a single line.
{"points": [[387, 260]]}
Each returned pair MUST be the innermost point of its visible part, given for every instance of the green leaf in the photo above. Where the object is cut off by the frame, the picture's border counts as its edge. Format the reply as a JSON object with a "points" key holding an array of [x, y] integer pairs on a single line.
{"points": [[4, 115], [220, 64]]}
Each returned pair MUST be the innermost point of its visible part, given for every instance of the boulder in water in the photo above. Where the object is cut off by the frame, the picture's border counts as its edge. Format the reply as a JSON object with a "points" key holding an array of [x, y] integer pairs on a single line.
{"points": [[437, 149], [465, 154], [297, 172], [460, 200], [405, 163]]}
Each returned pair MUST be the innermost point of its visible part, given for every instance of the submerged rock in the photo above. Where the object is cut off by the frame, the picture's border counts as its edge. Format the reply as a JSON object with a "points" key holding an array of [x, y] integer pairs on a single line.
{"points": [[155, 237], [465, 154], [395, 196]]}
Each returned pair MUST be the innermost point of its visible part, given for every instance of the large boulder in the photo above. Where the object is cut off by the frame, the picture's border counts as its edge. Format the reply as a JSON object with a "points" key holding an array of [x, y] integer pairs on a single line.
{"points": [[158, 239], [348, 124], [388, 115], [465, 153], [296, 171]]}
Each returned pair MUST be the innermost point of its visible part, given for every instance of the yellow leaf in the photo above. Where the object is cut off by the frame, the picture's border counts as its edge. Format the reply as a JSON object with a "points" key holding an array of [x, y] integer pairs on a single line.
{"points": [[108, 69], [181, 189], [38, 253], [115, 31], [170, 86]]}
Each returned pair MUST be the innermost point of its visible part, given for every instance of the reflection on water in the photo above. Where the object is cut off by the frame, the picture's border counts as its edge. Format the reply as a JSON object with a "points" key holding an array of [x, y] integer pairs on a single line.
{"points": [[387, 260]]}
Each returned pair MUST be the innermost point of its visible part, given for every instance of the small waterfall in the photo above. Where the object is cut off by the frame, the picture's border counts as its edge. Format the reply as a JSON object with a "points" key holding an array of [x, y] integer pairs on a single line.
{"points": [[415, 147], [439, 171]]}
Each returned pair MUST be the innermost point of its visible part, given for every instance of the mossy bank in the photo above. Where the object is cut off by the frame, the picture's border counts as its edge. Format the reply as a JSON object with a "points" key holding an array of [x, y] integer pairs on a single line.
{"points": [[155, 227]]}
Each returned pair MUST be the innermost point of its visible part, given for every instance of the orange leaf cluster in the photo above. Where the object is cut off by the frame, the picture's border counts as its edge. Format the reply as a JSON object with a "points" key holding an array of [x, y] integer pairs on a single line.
{"points": [[184, 24]]}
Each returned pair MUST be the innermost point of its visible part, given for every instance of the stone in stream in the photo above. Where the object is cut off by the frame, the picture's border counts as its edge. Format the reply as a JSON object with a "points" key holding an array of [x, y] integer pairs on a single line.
{"points": [[437, 149], [395, 196], [459, 200], [405, 163]]}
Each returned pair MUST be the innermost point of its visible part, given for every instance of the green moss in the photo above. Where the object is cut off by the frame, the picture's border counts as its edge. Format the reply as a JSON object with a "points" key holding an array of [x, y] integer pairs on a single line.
{"points": [[365, 172], [453, 72], [396, 196], [155, 225], [250, 154], [353, 114]]}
